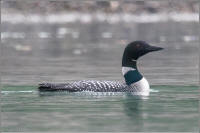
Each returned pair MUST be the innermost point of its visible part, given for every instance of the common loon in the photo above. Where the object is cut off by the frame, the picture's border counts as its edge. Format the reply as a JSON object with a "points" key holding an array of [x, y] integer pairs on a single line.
{"points": [[134, 81]]}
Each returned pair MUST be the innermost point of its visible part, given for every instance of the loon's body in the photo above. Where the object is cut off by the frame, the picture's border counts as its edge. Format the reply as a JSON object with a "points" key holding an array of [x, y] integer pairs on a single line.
{"points": [[134, 81], [140, 87]]}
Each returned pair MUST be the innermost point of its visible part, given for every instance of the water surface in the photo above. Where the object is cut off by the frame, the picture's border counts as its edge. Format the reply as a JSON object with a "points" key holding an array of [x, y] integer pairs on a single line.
{"points": [[168, 108]]}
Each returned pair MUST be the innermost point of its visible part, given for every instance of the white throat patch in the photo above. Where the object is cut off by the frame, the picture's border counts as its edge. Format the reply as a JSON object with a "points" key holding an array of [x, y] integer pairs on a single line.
{"points": [[126, 69]]}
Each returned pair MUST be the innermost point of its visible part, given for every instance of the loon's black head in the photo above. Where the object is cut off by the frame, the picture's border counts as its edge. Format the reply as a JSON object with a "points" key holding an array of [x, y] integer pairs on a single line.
{"points": [[136, 49]]}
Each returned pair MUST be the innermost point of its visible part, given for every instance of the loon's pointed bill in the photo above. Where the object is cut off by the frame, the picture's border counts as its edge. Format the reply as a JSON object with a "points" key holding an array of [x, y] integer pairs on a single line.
{"points": [[153, 48], [135, 83]]}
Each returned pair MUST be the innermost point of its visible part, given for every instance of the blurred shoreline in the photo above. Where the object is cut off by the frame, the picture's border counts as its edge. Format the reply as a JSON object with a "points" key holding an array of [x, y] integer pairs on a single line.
{"points": [[99, 11], [133, 7]]}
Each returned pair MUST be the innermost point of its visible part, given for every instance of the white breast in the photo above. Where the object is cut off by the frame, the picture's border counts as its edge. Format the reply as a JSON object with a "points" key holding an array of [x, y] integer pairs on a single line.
{"points": [[141, 87]]}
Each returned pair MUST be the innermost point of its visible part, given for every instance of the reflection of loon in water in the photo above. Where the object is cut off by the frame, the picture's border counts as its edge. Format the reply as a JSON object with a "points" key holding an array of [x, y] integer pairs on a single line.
{"points": [[133, 108], [135, 82]]}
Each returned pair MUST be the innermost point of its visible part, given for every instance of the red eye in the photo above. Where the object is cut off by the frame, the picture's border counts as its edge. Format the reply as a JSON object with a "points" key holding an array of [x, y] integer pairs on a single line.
{"points": [[137, 45]]}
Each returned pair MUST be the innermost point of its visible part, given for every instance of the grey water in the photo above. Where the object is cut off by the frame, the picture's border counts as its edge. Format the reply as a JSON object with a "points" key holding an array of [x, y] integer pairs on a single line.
{"points": [[59, 53]]}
